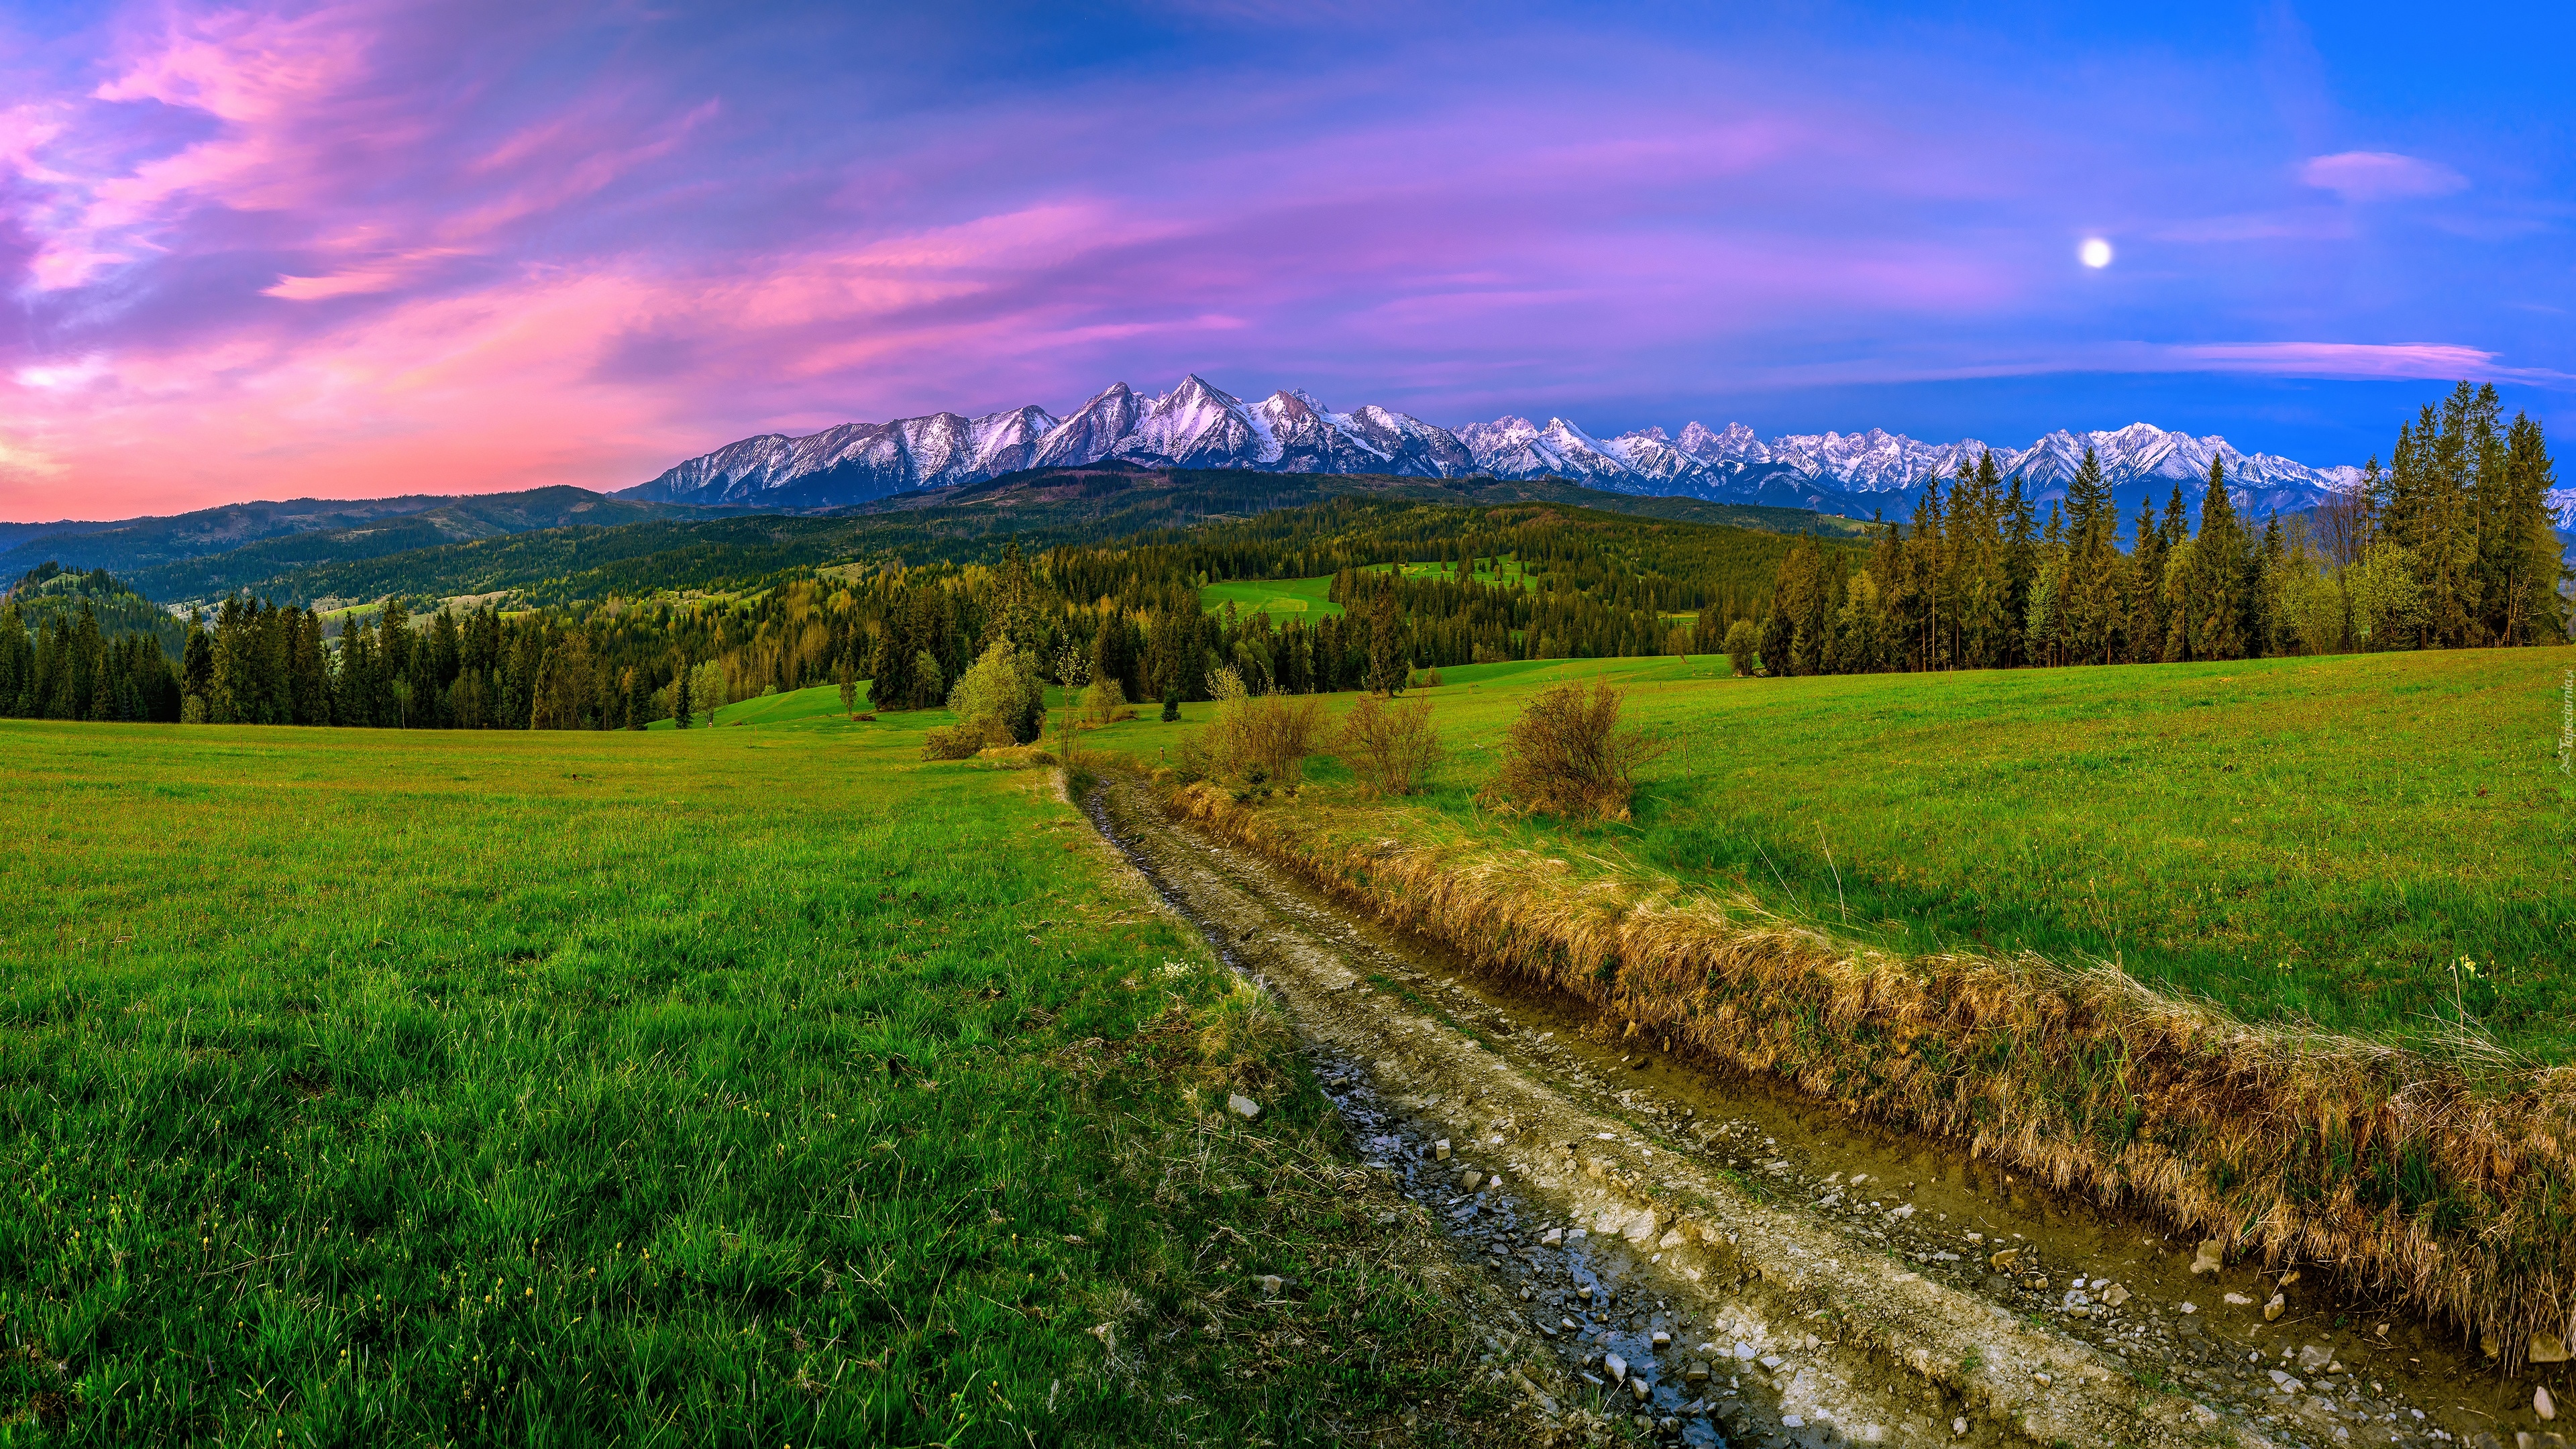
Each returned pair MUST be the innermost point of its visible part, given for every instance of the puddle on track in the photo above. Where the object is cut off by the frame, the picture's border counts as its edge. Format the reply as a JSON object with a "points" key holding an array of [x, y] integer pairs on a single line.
{"points": [[2323, 1373]]}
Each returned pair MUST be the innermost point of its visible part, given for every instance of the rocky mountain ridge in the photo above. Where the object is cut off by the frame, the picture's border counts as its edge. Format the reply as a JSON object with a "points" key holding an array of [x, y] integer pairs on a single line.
{"points": [[1199, 425]]}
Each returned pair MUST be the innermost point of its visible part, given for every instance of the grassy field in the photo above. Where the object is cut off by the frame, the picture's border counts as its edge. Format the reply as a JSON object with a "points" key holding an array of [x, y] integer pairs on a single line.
{"points": [[753, 1086], [2375, 843], [1304, 598], [1282, 598]]}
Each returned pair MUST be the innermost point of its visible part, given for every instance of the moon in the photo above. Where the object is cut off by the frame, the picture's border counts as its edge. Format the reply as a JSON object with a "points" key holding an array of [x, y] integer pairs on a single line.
{"points": [[2095, 253]]}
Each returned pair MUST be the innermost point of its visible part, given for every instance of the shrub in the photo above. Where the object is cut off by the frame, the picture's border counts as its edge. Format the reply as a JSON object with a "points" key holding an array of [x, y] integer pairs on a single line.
{"points": [[1567, 756], [953, 742], [1391, 746], [1743, 645], [1253, 739], [1280, 731], [1171, 704], [1102, 701], [1001, 692]]}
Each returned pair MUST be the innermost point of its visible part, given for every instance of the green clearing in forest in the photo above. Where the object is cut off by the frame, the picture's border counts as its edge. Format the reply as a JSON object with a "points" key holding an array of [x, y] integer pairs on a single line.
{"points": [[1283, 599], [753, 1086], [2376, 842], [1286, 599]]}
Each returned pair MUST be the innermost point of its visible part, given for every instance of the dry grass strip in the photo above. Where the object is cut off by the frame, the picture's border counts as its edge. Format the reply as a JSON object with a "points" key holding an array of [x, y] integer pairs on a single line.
{"points": [[2446, 1183]]}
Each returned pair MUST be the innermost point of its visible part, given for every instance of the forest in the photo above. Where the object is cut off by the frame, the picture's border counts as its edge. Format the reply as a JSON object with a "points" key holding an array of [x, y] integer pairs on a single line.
{"points": [[2450, 547], [1585, 584]]}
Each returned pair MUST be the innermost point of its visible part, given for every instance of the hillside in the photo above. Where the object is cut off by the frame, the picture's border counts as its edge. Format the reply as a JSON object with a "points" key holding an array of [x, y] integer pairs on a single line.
{"points": [[134, 547], [50, 594], [259, 565], [1038, 509]]}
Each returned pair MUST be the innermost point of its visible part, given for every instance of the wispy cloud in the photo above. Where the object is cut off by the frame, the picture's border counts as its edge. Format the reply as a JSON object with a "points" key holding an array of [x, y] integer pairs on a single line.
{"points": [[2380, 176]]}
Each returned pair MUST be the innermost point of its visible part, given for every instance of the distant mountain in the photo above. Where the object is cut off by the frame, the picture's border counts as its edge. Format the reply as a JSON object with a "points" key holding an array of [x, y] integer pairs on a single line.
{"points": [[189, 567], [124, 545], [1199, 425], [152, 553]]}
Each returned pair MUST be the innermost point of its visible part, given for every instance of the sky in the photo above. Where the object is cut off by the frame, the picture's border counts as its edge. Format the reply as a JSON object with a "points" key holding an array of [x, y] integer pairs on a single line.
{"points": [[353, 250]]}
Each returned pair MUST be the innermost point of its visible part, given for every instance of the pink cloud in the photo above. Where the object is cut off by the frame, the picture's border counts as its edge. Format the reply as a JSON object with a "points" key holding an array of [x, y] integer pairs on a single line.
{"points": [[265, 79], [2427, 361], [2380, 176]]}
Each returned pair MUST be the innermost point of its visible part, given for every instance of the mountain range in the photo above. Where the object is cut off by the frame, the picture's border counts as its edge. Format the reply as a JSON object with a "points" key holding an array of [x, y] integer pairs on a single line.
{"points": [[1199, 425]]}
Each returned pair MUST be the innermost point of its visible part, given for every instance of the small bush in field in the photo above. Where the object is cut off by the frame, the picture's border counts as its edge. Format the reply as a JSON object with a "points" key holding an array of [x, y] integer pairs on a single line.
{"points": [[1567, 756], [1389, 745], [1002, 694], [953, 742], [1281, 731], [1743, 644], [1102, 701], [1259, 739]]}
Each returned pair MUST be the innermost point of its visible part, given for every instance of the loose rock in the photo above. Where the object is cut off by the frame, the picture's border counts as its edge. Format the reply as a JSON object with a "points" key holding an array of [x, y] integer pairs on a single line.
{"points": [[1242, 1106]]}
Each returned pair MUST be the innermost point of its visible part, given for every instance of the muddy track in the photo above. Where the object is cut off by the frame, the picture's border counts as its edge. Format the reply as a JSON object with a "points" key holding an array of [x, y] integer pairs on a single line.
{"points": [[1713, 1262]]}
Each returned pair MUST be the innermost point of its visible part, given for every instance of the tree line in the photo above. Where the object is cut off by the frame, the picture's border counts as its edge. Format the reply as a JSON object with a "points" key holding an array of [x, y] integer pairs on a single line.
{"points": [[2451, 546]]}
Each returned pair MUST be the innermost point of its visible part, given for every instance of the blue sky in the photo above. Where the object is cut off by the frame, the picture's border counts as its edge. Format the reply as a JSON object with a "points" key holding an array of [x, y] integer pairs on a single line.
{"points": [[363, 248]]}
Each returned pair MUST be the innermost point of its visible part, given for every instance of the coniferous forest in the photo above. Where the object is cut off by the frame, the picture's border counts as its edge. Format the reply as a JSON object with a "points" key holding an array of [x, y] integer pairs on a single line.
{"points": [[2450, 547]]}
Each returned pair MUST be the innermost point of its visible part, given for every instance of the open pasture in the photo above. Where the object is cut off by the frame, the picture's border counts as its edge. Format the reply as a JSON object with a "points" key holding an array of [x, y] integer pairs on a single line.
{"points": [[747, 1086], [2377, 843]]}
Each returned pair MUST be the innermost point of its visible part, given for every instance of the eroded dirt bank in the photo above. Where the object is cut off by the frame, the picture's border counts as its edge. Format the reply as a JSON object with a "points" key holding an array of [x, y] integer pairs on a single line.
{"points": [[1711, 1261]]}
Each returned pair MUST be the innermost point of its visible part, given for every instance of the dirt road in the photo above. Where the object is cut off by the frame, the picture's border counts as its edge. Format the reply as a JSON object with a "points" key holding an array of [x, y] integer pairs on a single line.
{"points": [[1712, 1262]]}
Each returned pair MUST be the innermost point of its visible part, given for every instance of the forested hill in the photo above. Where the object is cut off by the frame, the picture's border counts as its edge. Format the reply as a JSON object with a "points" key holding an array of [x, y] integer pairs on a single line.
{"points": [[1039, 509], [257, 565], [50, 595]]}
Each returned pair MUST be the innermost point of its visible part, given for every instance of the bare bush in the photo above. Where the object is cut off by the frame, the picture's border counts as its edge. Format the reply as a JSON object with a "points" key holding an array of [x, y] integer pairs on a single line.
{"points": [[1567, 756], [1280, 731], [1255, 740], [1391, 746]]}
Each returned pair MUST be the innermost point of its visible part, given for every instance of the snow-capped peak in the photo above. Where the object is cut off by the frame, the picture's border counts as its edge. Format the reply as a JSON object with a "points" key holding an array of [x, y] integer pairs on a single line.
{"points": [[1199, 425]]}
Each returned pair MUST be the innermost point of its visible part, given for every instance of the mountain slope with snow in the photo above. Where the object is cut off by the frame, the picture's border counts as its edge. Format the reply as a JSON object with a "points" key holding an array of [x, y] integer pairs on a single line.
{"points": [[1199, 425]]}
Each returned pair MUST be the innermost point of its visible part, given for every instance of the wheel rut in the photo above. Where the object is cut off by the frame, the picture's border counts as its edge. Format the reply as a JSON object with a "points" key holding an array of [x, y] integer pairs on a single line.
{"points": [[1713, 1262]]}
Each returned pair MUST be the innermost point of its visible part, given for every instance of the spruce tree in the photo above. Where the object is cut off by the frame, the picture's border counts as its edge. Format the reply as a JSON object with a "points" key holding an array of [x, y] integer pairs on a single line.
{"points": [[1387, 666], [2529, 608], [2221, 566], [2146, 603]]}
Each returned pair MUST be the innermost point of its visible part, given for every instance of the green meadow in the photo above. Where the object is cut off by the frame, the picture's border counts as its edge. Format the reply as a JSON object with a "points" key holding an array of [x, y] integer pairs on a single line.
{"points": [[2378, 843], [744, 1086], [1305, 598], [1282, 598]]}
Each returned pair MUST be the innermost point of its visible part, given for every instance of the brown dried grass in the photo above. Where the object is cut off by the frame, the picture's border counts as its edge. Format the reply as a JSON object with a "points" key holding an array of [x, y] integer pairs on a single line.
{"points": [[2446, 1183]]}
